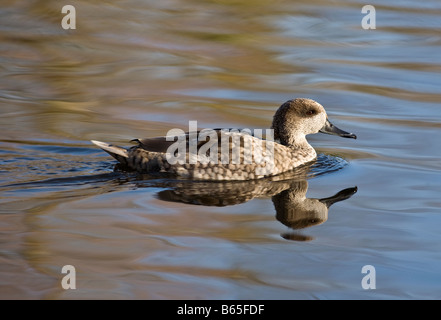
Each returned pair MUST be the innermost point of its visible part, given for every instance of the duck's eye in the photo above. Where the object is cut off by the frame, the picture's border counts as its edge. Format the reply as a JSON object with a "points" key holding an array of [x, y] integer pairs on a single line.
{"points": [[311, 112]]}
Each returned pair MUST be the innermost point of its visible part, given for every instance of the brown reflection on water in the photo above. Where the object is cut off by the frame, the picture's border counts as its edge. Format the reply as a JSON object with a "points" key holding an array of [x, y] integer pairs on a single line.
{"points": [[107, 235], [288, 194], [133, 59]]}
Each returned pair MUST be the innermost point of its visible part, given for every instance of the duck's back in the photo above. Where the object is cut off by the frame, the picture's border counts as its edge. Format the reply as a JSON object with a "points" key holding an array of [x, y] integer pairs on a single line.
{"points": [[237, 156]]}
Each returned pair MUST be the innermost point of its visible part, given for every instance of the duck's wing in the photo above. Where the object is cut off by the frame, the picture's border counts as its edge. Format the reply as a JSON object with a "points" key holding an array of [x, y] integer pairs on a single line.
{"points": [[156, 144], [161, 144]]}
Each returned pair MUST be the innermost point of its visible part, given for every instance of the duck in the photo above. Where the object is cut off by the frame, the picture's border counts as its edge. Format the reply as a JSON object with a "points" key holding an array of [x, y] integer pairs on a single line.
{"points": [[231, 154]]}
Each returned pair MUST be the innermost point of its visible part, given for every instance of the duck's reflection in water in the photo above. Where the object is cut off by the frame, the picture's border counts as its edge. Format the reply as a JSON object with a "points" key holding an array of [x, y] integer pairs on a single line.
{"points": [[296, 211], [287, 190], [288, 194]]}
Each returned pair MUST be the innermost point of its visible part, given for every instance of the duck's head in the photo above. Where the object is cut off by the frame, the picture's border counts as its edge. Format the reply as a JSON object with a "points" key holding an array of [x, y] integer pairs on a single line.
{"points": [[299, 117]]}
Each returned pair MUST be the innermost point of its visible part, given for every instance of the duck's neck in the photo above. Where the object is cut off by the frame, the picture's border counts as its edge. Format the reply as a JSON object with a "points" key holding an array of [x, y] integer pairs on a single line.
{"points": [[295, 142], [299, 144]]}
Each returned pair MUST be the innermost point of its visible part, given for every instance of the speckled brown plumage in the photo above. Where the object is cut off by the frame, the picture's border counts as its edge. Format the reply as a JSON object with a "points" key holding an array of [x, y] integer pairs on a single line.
{"points": [[291, 123]]}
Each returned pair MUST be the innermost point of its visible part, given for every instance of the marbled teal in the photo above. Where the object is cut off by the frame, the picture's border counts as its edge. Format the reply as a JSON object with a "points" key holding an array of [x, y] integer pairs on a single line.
{"points": [[237, 155]]}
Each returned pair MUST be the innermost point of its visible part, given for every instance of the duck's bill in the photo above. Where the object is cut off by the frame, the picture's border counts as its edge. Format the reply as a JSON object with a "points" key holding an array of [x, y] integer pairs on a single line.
{"points": [[329, 128], [340, 196]]}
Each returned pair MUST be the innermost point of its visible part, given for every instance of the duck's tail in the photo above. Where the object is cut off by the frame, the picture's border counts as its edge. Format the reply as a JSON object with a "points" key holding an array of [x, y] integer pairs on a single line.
{"points": [[118, 153]]}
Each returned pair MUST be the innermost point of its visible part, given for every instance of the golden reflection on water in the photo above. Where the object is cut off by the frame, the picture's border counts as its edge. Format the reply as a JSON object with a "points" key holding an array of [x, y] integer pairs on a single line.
{"points": [[103, 235]]}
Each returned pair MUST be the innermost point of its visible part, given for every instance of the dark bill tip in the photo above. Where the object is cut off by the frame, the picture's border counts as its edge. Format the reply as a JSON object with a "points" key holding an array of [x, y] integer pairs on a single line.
{"points": [[340, 196], [349, 135], [329, 128]]}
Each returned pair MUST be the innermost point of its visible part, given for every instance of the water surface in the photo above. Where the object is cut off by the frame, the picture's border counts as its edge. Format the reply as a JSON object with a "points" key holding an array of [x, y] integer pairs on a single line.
{"points": [[139, 68]]}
